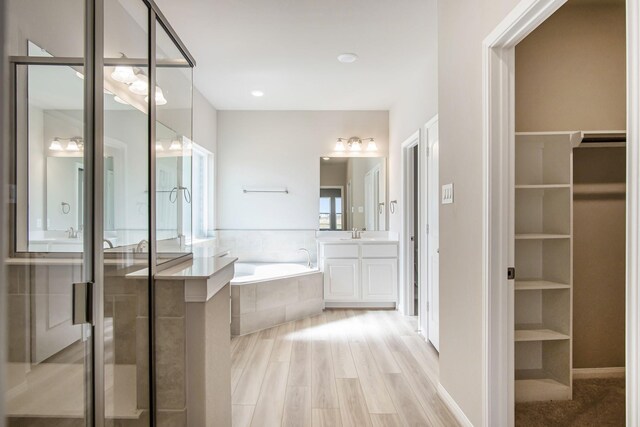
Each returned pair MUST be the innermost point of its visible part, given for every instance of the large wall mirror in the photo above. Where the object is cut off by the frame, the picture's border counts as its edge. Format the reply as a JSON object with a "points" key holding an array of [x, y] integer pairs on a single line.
{"points": [[50, 163], [353, 193]]}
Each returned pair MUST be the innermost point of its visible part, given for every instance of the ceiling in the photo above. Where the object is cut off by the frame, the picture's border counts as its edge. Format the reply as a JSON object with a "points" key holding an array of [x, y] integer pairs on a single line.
{"points": [[288, 50]]}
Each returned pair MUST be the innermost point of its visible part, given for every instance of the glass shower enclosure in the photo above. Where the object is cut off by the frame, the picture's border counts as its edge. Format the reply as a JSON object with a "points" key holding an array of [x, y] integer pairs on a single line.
{"points": [[100, 99]]}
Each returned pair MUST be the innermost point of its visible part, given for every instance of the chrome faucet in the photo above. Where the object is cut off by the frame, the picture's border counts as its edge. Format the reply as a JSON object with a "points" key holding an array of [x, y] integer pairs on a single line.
{"points": [[73, 234], [142, 244], [308, 257], [108, 242], [355, 233]]}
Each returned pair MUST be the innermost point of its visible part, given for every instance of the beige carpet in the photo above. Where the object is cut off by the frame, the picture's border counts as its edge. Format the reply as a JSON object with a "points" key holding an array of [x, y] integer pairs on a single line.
{"points": [[596, 402]]}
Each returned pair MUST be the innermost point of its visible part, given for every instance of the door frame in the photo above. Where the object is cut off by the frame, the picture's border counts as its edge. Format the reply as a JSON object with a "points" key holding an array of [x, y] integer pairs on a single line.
{"points": [[426, 230], [406, 247], [498, 54]]}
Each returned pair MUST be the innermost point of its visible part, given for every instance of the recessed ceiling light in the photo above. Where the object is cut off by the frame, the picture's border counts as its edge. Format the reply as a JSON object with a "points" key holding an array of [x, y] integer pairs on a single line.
{"points": [[347, 58], [257, 93]]}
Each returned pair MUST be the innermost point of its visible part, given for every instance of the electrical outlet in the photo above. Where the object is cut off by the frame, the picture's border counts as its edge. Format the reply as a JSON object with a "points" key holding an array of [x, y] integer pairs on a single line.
{"points": [[447, 194]]}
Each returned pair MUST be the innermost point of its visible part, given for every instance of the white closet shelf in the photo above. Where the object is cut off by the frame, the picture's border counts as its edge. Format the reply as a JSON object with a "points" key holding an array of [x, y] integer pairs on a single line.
{"points": [[541, 236], [537, 333], [541, 389], [541, 186], [537, 284]]}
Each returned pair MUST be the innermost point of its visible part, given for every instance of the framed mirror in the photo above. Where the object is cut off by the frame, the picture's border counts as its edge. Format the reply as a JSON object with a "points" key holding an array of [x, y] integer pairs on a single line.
{"points": [[353, 193]]}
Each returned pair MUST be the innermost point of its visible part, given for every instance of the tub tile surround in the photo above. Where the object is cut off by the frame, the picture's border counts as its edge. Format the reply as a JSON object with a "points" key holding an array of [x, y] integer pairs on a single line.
{"points": [[261, 305], [269, 245]]}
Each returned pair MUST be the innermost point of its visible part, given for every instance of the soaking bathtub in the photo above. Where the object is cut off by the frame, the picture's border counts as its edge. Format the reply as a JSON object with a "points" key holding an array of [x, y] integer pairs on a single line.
{"points": [[264, 295]]}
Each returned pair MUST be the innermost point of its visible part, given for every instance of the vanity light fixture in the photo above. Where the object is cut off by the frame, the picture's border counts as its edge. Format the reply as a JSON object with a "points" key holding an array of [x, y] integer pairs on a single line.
{"points": [[175, 145], [55, 145], [355, 144], [140, 86], [73, 145], [159, 146], [160, 99], [124, 74]]}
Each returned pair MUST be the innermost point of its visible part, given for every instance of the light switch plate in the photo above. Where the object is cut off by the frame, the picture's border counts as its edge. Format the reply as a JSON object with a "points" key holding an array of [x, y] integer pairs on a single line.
{"points": [[447, 194]]}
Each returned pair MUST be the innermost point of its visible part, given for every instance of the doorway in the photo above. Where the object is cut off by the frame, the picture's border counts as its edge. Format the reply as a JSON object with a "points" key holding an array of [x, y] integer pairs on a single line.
{"points": [[501, 151], [412, 149]]}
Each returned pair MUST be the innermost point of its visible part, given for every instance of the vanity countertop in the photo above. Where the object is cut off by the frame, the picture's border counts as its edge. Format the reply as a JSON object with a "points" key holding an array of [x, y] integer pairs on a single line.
{"points": [[361, 241], [197, 268]]}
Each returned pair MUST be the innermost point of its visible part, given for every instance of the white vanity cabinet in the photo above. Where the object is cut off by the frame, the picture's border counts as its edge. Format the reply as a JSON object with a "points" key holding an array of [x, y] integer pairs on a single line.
{"points": [[359, 273]]}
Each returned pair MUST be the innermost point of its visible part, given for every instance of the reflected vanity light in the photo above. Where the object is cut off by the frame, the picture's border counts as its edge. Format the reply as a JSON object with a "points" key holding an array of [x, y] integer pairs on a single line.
{"points": [[160, 99], [141, 85], [159, 146], [124, 74], [55, 145], [175, 145], [326, 159], [355, 144], [73, 146]]}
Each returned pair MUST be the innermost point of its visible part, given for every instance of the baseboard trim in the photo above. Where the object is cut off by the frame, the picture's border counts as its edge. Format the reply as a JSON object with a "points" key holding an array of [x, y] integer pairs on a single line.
{"points": [[587, 373], [457, 413]]}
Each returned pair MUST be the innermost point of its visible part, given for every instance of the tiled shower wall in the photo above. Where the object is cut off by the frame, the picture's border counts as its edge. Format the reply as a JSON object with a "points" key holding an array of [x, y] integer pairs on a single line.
{"points": [[269, 245]]}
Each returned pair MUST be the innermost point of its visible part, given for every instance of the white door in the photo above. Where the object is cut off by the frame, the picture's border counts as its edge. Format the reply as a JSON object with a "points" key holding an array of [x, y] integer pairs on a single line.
{"points": [[433, 239], [341, 280], [379, 279]]}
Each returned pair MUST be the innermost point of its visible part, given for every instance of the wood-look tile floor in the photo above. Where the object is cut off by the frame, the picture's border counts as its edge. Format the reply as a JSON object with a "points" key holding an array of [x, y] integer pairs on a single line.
{"points": [[340, 368]]}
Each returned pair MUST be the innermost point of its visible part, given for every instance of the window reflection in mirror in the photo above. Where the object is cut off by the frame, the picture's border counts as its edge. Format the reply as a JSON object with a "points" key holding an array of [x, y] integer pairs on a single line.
{"points": [[352, 193]]}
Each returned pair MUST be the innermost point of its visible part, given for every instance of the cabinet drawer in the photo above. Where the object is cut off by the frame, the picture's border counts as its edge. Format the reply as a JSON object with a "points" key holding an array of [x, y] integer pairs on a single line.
{"points": [[379, 251], [341, 251]]}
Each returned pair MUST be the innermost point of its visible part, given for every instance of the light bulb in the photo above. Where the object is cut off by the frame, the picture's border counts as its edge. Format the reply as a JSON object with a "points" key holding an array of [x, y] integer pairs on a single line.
{"points": [[372, 145], [55, 145], [340, 145], [73, 146], [160, 99], [140, 86], [124, 74]]}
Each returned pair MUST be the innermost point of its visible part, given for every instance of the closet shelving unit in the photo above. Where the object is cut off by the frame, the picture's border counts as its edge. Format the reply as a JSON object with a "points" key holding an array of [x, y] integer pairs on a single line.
{"points": [[543, 261]]}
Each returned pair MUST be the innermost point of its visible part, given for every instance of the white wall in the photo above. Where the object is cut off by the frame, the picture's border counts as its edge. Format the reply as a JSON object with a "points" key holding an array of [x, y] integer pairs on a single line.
{"points": [[412, 109], [462, 26], [278, 149]]}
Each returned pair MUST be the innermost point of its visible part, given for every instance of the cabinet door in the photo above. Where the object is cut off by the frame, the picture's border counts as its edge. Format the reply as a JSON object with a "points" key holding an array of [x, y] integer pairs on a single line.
{"points": [[379, 280], [341, 280]]}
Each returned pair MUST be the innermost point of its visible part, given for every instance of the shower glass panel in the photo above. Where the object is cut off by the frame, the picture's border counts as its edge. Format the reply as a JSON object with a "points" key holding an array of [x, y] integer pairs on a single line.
{"points": [[173, 96], [49, 358], [126, 213], [83, 197]]}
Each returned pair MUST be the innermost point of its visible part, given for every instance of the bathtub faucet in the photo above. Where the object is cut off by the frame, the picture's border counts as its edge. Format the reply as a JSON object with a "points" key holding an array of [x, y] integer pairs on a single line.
{"points": [[308, 257]]}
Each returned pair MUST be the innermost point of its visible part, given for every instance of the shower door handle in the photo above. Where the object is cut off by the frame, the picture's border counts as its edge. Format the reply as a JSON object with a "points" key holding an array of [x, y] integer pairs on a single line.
{"points": [[82, 303]]}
